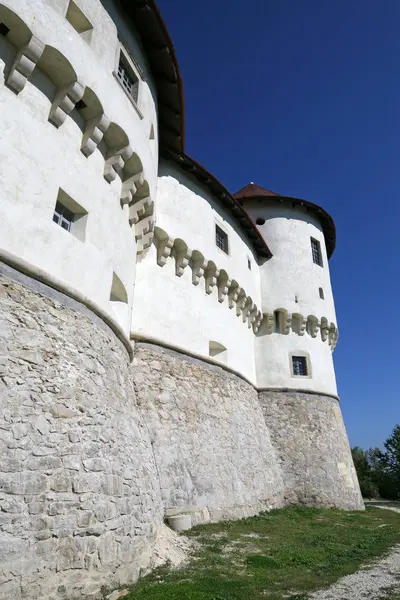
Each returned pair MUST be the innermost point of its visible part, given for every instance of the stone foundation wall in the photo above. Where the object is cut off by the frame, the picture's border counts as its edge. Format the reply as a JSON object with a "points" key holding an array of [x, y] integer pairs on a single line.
{"points": [[95, 449], [314, 455], [79, 494], [213, 451]]}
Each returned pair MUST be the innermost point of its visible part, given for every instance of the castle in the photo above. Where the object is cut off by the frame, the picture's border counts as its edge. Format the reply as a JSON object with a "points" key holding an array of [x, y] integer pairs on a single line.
{"points": [[165, 346]]}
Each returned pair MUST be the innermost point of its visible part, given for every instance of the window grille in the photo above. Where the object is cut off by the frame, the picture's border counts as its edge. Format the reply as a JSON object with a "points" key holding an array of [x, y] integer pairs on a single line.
{"points": [[221, 239], [127, 78], [63, 217], [316, 252], [299, 366]]}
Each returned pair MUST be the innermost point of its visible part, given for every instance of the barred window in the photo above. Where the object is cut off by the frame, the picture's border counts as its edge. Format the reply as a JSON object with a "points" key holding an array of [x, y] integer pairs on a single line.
{"points": [[127, 78], [221, 239], [63, 217], [299, 366], [316, 252]]}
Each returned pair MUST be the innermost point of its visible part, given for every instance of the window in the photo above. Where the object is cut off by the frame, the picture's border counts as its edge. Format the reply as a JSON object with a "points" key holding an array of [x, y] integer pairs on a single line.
{"points": [[79, 21], [63, 217], [316, 252], [321, 293], [69, 215], [221, 239], [300, 368], [260, 221], [218, 351], [127, 78], [249, 264], [4, 29]]}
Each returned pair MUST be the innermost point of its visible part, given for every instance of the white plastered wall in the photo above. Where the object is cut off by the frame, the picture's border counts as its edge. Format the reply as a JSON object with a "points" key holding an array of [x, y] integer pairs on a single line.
{"points": [[290, 280], [37, 159], [170, 308]]}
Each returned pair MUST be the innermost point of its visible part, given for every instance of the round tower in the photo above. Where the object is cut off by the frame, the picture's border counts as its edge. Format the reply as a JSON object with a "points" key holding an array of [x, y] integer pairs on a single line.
{"points": [[295, 372], [295, 341]]}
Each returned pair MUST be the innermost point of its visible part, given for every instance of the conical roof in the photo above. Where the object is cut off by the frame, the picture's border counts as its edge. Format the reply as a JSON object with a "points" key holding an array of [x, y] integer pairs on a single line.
{"points": [[253, 191]]}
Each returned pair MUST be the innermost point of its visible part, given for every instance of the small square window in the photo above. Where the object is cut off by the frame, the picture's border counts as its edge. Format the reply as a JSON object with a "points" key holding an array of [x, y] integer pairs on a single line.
{"points": [[127, 78], [300, 368], [63, 217], [69, 215], [221, 239], [316, 252]]}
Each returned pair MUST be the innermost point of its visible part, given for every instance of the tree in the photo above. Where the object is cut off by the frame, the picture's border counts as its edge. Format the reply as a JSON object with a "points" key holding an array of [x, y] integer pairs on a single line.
{"points": [[368, 487], [392, 462]]}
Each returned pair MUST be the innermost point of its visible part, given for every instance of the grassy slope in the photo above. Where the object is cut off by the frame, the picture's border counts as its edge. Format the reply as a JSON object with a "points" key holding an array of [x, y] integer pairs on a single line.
{"points": [[297, 550]]}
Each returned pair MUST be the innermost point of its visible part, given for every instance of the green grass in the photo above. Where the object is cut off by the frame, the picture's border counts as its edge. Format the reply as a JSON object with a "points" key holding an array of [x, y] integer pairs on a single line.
{"points": [[297, 550]]}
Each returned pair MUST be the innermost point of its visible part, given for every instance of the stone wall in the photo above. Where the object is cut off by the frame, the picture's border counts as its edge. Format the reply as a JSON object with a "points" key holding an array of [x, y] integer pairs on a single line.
{"points": [[314, 455], [213, 451], [79, 495]]}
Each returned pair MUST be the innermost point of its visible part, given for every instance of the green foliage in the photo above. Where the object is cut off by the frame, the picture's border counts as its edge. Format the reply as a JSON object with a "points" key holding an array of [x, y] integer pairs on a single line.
{"points": [[379, 472], [281, 554]]}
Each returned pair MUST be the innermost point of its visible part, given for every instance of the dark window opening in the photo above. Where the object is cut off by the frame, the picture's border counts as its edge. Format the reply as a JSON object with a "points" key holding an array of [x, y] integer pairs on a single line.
{"points": [[127, 78], [249, 264], [4, 29], [321, 293], [221, 239], [260, 221], [63, 217], [316, 252], [299, 366]]}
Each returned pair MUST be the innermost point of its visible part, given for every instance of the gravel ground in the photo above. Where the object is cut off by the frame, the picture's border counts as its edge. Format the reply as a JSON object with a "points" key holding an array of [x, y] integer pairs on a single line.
{"points": [[368, 583]]}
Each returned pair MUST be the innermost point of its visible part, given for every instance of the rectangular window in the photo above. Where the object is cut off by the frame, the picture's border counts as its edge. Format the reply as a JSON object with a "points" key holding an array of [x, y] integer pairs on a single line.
{"points": [[249, 264], [299, 366], [127, 78], [70, 215], [316, 252], [221, 239], [63, 217]]}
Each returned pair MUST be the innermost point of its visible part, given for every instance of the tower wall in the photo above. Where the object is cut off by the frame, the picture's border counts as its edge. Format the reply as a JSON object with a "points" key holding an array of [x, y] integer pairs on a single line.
{"points": [[313, 452], [292, 285], [79, 492]]}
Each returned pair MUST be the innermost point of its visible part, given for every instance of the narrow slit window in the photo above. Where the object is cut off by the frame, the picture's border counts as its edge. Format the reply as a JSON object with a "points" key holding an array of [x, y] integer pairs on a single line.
{"points": [[321, 293], [221, 239], [300, 368], [316, 252], [249, 264], [127, 78]]}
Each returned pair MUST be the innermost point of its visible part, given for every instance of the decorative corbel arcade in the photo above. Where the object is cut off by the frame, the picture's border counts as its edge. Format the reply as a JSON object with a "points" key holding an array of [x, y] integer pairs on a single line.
{"points": [[228, 291], [72, 94], [279, 322]]}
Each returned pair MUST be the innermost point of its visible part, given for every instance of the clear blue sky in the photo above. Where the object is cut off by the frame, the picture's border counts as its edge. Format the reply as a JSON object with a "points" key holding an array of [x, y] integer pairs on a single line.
{"points": [[303, 97]]}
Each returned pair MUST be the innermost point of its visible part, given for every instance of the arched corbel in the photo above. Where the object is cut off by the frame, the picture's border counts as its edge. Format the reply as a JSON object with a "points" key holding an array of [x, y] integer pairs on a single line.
{"points": [[94, 131], [115, 162], [240, 302], [198, 265], [270, 323], [246, 310], [211, 274], [257, 321], [324, 329], [233, 293], [182, 256], [164, 245], [64, 102], [24, 64], [224, 283]]}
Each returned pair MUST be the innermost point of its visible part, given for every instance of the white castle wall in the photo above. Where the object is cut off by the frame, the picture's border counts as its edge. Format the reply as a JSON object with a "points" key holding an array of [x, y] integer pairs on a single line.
{"points": [[38, 158], [290, 281], [169, 308]]}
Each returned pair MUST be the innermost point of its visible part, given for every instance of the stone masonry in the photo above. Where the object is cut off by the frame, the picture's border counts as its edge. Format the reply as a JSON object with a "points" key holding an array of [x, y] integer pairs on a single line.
{"points": [[79, 494], [213, 451], [308, 433], [96, 450]]}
